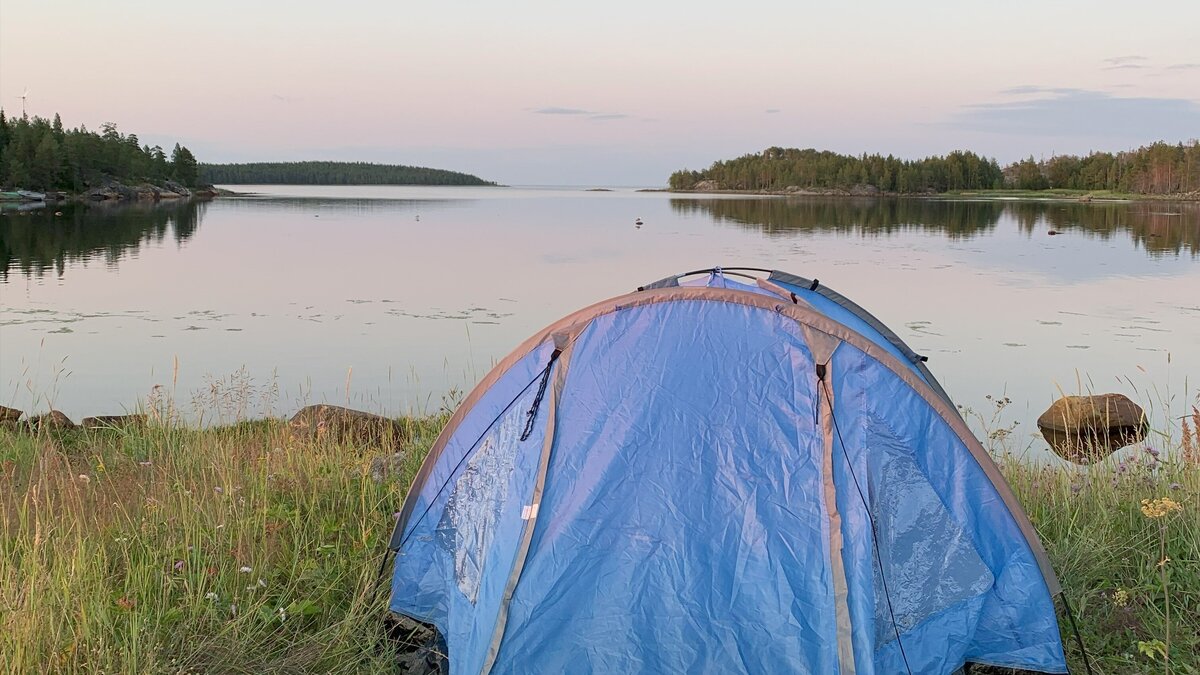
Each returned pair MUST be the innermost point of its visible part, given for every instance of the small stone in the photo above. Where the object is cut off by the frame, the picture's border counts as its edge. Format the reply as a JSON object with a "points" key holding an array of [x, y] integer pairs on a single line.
{"points": [[387, 467]]}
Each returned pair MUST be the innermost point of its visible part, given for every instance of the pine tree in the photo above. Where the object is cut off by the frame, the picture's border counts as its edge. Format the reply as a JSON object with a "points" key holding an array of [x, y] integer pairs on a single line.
{"points": [[184, 166]]}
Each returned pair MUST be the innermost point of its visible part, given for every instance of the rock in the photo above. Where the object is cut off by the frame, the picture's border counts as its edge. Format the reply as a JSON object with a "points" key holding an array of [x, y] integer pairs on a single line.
{"points": [[113, 421], [864, 191], [51, 420], [706, 186], [9, 417], [387, 467], [171, 190], [343, 425], [1086, 429]]}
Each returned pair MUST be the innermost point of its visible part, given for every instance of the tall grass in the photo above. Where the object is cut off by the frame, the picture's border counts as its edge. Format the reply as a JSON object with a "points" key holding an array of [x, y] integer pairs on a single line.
{"points": [[245, 549], [239, 549]]}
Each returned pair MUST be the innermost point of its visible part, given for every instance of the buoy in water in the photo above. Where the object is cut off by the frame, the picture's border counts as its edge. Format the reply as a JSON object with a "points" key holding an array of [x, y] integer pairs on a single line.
{"points": [[638, 222]]}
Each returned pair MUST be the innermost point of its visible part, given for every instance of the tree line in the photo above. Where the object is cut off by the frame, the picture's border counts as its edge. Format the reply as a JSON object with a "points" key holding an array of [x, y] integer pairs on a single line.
{"points": [[332, 173], [39, 154], [1160, 168]]}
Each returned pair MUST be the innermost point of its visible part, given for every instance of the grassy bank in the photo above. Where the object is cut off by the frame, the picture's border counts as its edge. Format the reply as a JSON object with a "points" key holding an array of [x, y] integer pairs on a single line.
{"points": [[245, 549]]}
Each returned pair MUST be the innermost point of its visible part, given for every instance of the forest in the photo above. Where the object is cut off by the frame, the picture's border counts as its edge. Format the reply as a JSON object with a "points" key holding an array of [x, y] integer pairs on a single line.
{"points": [[332, 173], [39, 154], [1159, 169]]}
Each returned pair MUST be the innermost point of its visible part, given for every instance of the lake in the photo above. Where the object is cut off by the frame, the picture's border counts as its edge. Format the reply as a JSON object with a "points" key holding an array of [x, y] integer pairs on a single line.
{"points": [[391, 299]]}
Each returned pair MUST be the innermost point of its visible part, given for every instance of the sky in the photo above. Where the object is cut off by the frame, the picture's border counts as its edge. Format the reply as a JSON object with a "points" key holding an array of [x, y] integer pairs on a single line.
{"points": [[607, 93]]}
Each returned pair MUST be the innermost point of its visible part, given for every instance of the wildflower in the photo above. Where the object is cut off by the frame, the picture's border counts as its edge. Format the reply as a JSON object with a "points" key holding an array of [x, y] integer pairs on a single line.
{"points": [[178, 565], [1121, 597], [211, 596], [83, 478], [1175, 486], [218, 489], [245, 570], [1076, 487], [262, 582], [282, 615], [144, 463], [1152, 452], [126, 604], [1158, 508], [232, 611]]}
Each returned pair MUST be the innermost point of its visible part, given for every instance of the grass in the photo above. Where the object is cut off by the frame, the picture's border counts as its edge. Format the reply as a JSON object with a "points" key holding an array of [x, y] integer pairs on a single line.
{"points": [[244, 549], [168, 550]]}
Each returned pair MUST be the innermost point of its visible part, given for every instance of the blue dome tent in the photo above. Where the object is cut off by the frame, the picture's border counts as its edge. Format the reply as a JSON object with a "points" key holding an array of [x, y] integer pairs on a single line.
{"points": [[720, 473]]}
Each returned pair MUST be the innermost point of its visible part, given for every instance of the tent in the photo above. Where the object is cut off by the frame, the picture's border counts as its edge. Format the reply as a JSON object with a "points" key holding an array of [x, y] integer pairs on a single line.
{"points": [[720, 472]]}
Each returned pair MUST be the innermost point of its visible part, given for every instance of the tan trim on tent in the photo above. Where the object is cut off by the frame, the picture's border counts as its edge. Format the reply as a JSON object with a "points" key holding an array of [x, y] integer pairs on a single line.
{"points": [[535, 500], [574, 323], [841, 592], [783, 293]]}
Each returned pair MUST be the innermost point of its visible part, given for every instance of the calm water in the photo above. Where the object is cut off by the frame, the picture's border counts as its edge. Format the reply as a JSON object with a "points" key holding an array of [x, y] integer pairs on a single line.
{"points": [[386, 298]]}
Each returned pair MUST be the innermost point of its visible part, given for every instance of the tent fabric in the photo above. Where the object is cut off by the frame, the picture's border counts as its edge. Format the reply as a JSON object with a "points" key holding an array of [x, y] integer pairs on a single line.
{"points": [[691, 479]]}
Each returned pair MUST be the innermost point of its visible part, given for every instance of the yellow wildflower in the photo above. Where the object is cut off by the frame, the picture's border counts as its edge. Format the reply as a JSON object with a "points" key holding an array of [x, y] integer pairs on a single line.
{"points": [[1158, 508], [1121, 597]]}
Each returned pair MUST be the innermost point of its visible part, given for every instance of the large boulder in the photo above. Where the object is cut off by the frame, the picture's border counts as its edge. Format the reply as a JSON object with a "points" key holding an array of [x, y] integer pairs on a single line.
{"points": [[113, 421], [343, 425], [1086, 429], [9, 417], [53, 420]]}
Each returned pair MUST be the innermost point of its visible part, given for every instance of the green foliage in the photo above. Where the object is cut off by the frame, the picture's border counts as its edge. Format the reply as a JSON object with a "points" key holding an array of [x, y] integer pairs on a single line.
{"points": [[39, 154], [778, 169], [170, 550], [331, 173], [183, 165], [1159, 168]]}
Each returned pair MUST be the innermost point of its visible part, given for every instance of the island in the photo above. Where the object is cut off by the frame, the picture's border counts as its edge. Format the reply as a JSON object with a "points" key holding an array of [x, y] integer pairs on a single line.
{"points": [[1159, 170], [332, 173]]}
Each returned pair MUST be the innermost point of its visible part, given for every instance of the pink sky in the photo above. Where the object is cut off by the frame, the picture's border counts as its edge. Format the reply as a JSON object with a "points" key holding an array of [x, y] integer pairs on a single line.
{"points": [[606, 93]]}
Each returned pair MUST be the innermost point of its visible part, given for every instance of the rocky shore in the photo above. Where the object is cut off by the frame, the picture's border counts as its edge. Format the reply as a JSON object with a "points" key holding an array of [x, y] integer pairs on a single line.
{"points": [[139, 192]]}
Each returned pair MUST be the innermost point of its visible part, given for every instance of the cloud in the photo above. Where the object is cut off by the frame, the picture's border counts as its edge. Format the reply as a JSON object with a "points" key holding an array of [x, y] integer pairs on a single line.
{"points": [[1126, 66], [554, 110], [1124, 60], [579, 112], [1081, 113], [1183, 66], [1035, 89], [772, 111]]}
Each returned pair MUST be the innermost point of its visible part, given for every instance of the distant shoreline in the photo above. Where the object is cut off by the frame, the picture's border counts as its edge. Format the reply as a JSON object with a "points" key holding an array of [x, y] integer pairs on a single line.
{"points": [[1083, 196]]}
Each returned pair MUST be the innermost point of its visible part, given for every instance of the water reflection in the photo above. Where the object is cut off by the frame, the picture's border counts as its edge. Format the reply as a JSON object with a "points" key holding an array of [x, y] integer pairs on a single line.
{"points": [[37, 242], [1156, 227]]}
